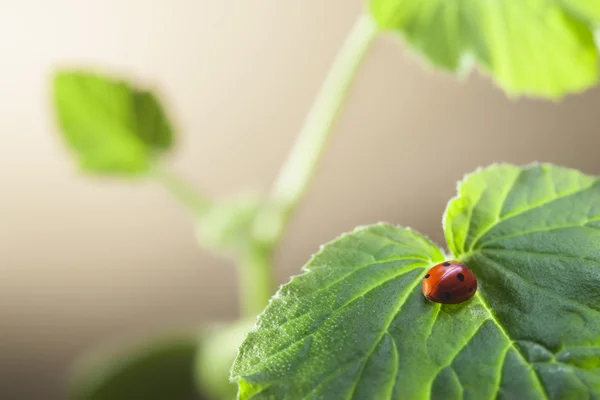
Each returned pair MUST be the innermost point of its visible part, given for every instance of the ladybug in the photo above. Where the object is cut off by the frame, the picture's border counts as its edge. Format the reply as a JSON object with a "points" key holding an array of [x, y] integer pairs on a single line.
{"points": [[449, 282]]}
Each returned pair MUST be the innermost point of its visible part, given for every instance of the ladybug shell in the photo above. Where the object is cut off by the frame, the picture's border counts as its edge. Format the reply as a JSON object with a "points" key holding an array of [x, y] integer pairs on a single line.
{"points": [[449, 282]]}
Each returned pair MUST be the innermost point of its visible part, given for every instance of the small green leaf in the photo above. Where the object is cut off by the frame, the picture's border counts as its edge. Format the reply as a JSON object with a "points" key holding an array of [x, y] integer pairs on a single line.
{"points": [[160, 369], [113, 127], [356, 324], [533, 47]]}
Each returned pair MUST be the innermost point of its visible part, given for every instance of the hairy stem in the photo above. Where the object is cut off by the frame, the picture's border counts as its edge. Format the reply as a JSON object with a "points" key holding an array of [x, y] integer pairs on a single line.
{"points": [[300, 166], [183, 192]]}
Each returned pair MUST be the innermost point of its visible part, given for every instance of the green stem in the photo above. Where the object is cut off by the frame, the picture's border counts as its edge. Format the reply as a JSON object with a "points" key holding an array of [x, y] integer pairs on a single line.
{"points": [[183, 192], [256, 280], [256, 270], [255, 263], [300, 166]]}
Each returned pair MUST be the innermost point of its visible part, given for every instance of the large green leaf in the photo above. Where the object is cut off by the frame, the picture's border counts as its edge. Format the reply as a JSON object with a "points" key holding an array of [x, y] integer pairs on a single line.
{"points": [[113, 127], [356, 324], [533, 47]]}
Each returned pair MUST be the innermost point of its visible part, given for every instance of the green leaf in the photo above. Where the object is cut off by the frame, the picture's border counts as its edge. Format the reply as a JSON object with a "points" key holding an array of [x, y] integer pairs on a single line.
{"points": [[112, 126], [159, 369], [356, 324], [531, 47], [532, 236]]}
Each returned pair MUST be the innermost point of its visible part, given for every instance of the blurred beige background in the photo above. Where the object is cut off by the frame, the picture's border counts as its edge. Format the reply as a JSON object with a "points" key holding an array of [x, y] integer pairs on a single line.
{"points": [[85, 260]]}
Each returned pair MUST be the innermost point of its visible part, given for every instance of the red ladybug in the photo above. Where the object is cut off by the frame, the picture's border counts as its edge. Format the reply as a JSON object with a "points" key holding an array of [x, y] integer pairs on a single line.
{"points": [[449, 282]]}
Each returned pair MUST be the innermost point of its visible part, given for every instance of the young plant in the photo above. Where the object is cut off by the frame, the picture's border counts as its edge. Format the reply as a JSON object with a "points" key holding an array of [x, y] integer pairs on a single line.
{"points": [[355, 324]]}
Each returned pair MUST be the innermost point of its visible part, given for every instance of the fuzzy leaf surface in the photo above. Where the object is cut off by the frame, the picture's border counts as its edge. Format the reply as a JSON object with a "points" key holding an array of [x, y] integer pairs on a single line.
{"points": [[356, 324]]}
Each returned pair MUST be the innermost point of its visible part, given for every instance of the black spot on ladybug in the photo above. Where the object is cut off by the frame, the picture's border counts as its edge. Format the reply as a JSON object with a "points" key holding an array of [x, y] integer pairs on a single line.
{"points": [[446, 264], [460, 277], [448, 295], [470, 289], [427, 276]]}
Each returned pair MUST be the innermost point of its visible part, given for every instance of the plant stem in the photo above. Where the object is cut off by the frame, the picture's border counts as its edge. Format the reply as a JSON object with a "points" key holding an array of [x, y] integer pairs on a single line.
{"points": [[183, 192], [300, 166], [256, 269], [256, 280], [255, 262]]}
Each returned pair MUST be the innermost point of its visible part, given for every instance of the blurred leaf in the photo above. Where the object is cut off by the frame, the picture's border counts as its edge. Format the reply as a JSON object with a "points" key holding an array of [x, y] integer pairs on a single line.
{"points": [[152, 125], [531, 47], [157, 370], [113, 127], [217, 353]]}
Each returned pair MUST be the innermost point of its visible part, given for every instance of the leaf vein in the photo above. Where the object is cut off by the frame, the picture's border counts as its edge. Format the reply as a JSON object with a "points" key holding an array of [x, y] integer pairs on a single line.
{"points": [[362, 294], [470, 221], [545, 290], [453, 356], [420, 238], [415, 265], [538, 253], [396, 357], [331, 376], [526, 210], [538, 382], [500, 208], [385, 331], [543, 230], [500, 372]]}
